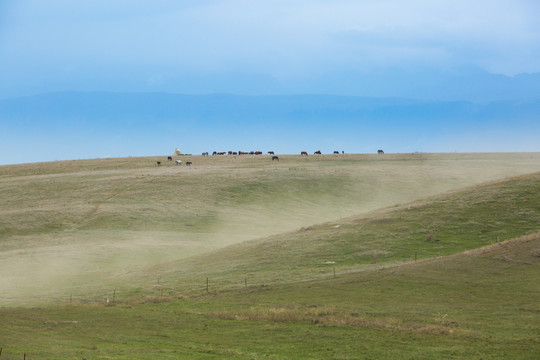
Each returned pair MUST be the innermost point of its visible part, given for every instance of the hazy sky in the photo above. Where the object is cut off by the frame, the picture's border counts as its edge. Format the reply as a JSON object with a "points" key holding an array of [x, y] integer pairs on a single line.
{"points": [[257, 47]]}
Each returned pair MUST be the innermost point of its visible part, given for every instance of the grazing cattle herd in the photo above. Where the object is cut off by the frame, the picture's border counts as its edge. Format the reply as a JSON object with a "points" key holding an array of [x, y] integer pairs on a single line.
{"points": [[274, 157]]}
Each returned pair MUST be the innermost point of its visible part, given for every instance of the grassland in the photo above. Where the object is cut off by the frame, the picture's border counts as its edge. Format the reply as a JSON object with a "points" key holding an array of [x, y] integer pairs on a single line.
{"points": [[434, 256]]}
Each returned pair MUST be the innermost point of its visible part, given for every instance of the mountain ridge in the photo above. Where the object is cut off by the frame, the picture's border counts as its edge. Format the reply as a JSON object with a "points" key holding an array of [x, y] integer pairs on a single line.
{"points": [[162, 104]]}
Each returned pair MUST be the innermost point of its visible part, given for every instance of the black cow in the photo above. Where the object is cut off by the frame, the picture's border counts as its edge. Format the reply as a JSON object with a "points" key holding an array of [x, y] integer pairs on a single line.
{"points": [[275, 158]]}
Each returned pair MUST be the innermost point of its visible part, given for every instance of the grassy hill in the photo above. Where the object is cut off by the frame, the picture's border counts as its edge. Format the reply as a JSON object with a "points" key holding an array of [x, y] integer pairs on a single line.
{"points": [[473, 305], [78, 227], [437, 226], [400, 257]]}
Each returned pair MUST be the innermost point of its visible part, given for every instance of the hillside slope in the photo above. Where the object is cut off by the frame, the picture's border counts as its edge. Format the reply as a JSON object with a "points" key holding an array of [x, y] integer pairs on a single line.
{"points": [[472, 305], [277, 297], [436, 226], [84, 227]]}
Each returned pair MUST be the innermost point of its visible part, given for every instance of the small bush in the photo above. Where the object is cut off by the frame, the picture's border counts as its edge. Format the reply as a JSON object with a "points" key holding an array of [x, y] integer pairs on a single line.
{"points": [[430, 236]]}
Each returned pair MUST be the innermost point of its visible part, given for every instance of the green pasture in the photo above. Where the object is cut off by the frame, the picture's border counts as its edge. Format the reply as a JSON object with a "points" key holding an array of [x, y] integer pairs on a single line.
{"points": [[400, 256], [82, 227], [476, 305]]}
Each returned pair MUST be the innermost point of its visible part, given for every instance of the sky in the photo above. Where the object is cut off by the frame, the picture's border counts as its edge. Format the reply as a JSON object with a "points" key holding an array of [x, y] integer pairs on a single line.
{"points": [[260, 47], [447, 50]]}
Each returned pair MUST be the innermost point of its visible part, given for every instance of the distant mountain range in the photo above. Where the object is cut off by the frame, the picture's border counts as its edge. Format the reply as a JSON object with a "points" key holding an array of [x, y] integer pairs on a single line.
{"points": [[70, 125], [99, 106]]}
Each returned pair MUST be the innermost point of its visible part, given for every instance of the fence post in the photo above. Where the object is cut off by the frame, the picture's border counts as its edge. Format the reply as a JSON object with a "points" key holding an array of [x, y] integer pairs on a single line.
{"points": [[415, 254], [334, 272], [206, 284], [245, 282], [114, 295]]}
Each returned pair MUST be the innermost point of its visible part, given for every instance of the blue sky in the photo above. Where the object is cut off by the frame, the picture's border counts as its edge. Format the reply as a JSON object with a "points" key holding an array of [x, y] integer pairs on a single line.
{"points": [[260, 47], [447, 50]]}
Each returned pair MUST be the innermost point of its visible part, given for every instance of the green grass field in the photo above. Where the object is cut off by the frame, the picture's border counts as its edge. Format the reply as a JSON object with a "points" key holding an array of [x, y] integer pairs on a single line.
{"points": [[401, 256]]}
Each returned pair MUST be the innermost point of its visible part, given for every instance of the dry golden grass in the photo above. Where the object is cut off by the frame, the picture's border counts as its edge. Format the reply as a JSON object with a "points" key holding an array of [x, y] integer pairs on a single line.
{"points": [[332, 316], [525, 250]]}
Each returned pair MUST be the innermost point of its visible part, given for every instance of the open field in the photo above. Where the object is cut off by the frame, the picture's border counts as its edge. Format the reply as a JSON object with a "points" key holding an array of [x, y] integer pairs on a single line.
{"points": [[434, 256], [77, 226], [474, 305], [438, 226]]}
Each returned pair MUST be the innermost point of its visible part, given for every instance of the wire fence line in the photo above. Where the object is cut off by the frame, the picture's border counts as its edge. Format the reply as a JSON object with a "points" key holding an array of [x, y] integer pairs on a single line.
{"points": [[196, 286]]}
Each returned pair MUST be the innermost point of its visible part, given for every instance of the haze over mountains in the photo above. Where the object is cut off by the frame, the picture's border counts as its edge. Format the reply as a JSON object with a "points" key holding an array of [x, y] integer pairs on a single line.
{"points": [[458, 84], [67, 125]]}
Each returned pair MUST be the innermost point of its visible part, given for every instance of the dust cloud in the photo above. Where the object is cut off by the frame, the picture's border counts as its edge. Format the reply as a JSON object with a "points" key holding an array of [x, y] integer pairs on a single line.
{"points": [[102, 227]]}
